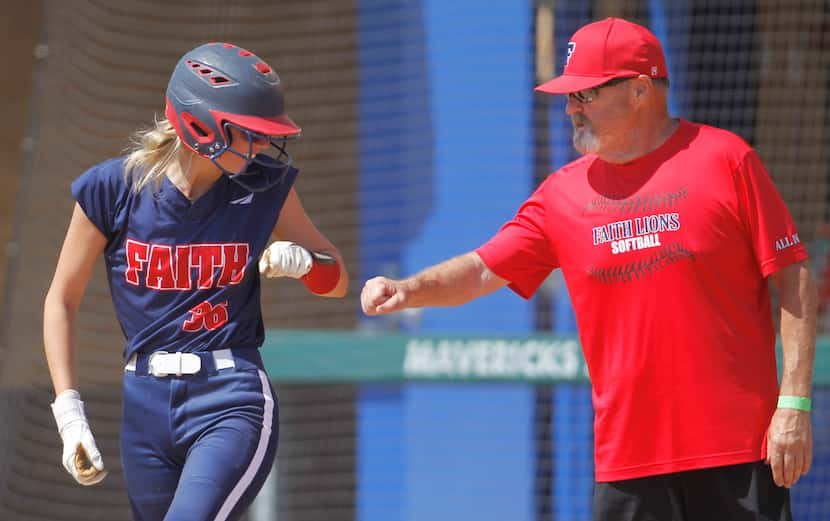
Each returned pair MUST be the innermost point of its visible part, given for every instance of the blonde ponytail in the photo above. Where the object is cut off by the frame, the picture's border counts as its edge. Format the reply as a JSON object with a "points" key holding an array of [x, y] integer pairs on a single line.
{"points": [[151, 152]]}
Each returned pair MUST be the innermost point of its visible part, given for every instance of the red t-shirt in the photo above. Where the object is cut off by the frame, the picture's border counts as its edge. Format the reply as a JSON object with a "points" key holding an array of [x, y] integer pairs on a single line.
{"points": [[665, 259]]}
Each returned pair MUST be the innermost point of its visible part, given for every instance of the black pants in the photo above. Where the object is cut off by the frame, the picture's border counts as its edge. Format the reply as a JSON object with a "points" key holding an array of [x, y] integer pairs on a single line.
{"points": [[744, 492]]}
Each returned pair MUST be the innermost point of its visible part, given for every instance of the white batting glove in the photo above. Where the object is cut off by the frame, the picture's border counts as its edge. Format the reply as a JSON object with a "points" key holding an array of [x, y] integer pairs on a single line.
{"points": [[81, 457], [285, 259]]}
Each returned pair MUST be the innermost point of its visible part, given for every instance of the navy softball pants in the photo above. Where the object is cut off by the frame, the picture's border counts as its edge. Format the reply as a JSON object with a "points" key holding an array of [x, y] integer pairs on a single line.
{"points": [[198, 447]]}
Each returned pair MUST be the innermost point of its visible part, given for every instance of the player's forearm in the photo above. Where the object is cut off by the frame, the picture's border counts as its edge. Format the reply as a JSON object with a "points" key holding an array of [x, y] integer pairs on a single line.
{"points": [[452, 282], [60, 339], [342, 286], [798, 298]]}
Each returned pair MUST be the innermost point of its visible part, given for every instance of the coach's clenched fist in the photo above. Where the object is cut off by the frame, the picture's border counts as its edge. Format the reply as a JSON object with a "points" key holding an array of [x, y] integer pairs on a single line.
{"points": [[381, 295], [450, 283]]}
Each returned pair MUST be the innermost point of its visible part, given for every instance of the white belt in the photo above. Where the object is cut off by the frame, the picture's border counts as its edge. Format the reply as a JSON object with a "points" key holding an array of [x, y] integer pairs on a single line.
{"points": [[162, 363]]}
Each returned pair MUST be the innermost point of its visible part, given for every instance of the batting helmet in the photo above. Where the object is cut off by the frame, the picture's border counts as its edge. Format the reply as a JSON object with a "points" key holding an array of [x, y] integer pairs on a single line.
{"points": [[219, 85]]}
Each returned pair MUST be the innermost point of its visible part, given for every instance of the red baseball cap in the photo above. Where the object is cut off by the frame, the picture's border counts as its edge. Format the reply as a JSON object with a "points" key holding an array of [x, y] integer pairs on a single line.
{"points": [[608, 49]]}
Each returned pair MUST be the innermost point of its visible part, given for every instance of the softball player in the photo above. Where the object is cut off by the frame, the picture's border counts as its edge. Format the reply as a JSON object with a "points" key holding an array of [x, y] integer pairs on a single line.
{"points": [[184, 223]]}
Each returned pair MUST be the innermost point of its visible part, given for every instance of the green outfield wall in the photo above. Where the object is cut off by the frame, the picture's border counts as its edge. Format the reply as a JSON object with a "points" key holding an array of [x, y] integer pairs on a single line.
{"points": [[348, 356]]}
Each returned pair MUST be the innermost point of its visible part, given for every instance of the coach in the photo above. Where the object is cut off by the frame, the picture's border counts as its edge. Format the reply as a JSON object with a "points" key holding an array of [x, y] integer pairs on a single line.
{"points": [[666, 232]]}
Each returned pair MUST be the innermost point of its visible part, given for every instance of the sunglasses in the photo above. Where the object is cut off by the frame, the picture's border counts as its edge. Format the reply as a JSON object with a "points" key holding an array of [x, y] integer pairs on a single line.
{"points": [[589, 95]]}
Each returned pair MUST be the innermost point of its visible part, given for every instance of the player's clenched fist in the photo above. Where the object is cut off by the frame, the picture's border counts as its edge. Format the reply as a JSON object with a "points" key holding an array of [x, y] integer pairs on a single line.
{"points": [[381, 295], [285, 259]]}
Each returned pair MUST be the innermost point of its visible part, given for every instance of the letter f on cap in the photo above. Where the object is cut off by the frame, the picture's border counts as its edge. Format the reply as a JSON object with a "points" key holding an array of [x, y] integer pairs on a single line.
{"points": [[571, 47]]}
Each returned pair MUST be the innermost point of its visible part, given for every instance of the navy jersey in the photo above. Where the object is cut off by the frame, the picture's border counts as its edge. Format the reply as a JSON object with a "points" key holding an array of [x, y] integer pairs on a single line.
{"points": [[183, 275]]}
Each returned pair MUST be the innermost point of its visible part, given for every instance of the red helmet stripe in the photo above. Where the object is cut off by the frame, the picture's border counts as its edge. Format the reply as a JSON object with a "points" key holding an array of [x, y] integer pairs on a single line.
{"points": [[280, 125]]}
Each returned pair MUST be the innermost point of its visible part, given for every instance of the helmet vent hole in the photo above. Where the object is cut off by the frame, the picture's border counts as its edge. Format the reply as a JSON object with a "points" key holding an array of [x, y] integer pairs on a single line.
{"points": [[243, 52], [263, 68], [196, 128], [205, 71], [218, 80], [199, 130]]}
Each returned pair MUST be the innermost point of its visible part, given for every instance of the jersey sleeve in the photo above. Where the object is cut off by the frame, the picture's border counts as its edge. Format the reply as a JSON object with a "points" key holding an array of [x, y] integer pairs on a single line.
{"points": [[772, 231], [98, 191], [521, 252]]}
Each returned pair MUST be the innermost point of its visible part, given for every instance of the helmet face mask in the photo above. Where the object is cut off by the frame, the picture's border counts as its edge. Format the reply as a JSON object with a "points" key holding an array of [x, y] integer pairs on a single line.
{"points": [[217, 87], [273, 158]]}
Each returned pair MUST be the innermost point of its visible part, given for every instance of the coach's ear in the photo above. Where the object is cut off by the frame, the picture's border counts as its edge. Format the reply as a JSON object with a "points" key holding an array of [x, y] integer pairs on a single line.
{"points": [[641, 88]]}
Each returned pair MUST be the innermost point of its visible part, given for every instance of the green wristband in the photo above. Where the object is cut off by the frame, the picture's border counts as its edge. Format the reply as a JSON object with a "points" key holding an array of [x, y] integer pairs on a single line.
{"points": [[800, 403]]}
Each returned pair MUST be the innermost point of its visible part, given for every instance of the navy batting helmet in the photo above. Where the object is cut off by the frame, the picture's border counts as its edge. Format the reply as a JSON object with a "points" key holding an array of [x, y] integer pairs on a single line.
{"points": [[219, 85]]}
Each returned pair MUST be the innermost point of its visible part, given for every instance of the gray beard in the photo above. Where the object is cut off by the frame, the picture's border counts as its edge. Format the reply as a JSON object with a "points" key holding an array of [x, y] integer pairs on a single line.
{"points": [[585, 141]]}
